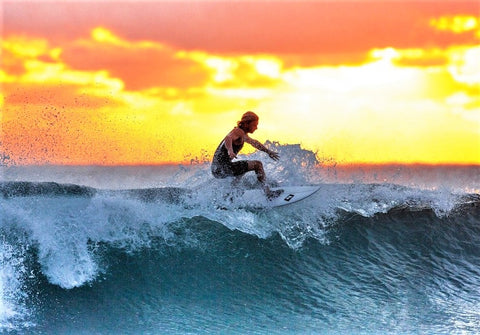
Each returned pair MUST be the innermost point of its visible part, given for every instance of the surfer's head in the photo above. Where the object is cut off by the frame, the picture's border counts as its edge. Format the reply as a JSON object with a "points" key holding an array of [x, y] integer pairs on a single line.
{"points": [[249, 122]]}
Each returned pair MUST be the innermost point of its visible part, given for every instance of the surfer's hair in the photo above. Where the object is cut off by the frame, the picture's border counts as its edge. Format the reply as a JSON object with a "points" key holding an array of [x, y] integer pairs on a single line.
{"points": [[246, 119]]}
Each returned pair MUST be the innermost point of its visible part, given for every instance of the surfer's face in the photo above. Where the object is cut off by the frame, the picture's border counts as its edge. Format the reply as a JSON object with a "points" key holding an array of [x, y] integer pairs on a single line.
{"points": [[252, 126]]}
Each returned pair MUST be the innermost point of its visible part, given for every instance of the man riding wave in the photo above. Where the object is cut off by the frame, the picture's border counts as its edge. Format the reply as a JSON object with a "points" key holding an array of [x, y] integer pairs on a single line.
{"points": [[222, 164]]}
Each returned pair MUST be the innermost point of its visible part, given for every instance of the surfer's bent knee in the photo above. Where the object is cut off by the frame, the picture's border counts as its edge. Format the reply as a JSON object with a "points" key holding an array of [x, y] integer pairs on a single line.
{"points": [[255, 165]]}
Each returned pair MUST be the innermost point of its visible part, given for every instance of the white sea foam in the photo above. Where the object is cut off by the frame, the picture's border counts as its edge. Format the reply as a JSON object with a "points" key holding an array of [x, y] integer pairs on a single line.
{"points": [[13, 309]]}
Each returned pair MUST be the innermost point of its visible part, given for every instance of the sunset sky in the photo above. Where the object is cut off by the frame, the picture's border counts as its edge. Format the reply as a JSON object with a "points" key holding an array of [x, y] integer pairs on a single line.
{"points": [[107, 82]]}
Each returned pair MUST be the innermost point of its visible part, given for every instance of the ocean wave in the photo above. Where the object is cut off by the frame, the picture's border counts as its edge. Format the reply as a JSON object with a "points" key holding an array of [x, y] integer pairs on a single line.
{"points": [[63, 237], [63, 221], [58, 251]]}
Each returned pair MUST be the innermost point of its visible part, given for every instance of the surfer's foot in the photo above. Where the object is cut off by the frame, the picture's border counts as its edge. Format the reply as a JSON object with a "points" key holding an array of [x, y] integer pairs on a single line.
{"points": [[273, 194]]}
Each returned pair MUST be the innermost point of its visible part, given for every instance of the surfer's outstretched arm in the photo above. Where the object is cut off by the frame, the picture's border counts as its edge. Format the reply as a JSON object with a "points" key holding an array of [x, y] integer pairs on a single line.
{"points": [[257, 145]]}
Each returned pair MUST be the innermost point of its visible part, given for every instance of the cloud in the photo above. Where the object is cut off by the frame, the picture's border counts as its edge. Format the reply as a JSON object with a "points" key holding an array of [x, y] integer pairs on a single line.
{"points": [[286, 27], [140, 65], [456, 24], [17, 49], [103, 61], [422, 58], [254, 71]]}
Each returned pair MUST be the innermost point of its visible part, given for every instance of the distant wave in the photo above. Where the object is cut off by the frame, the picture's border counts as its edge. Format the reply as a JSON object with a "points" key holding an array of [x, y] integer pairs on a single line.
{"points": [[26, 189]]}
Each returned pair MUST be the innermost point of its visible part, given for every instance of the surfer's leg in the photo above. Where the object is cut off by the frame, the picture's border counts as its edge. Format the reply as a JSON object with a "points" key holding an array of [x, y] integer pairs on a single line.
{"points": [[257, 166], [238, 168]]}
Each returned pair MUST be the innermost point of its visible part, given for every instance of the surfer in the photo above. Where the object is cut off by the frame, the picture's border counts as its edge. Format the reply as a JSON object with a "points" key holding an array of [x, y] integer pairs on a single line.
{"points": [[222, 165]]}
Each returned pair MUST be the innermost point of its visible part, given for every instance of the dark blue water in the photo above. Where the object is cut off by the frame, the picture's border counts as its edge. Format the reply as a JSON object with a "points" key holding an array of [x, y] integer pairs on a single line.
{"points": [[357, 258]]}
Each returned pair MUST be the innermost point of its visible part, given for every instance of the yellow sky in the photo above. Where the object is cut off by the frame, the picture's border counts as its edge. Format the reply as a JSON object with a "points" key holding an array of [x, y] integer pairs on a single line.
{"points": [[99, 93]]}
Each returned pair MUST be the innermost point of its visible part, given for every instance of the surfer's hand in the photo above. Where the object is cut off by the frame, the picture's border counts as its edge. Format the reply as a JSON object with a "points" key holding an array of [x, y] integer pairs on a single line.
{"points": [[232, 155], [273, 155]]}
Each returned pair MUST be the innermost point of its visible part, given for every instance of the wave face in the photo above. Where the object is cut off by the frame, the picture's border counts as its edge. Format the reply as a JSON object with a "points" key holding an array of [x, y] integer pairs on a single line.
{"points": [[352, 258]]}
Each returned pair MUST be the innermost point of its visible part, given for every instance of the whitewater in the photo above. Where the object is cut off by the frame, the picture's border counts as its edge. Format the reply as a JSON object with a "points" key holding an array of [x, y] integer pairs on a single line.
{"points": [[164, 250]]}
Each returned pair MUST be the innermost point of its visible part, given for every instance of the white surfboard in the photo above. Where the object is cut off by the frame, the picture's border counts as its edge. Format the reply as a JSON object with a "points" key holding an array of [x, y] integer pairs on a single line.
{"points": [[256, 198]]}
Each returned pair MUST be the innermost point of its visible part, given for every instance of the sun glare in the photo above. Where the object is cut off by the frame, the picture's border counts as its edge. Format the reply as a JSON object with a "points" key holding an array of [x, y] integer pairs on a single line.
{"points": [[465, 65], [223, 68], [268, 67]]}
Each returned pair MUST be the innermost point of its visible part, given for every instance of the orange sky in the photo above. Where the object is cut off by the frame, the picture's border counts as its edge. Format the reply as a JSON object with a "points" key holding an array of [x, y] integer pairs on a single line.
{"points": [[155, 82]]}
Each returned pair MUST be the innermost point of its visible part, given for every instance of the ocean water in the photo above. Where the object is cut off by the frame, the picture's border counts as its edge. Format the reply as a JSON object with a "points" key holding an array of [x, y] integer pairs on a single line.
{"points": [[162, 250]]}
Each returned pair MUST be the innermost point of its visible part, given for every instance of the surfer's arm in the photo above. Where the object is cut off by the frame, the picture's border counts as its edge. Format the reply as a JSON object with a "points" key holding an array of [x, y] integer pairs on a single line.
{"points": [[228, 145], [259, 146], [232, 136]]}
